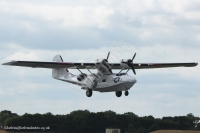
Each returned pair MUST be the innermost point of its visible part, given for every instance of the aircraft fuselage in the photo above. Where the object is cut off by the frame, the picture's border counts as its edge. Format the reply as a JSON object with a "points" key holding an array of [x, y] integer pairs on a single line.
{"points": [[109, 83]]}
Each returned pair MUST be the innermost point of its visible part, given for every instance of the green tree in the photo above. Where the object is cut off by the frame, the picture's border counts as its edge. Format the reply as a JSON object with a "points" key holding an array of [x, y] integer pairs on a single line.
{"points": [[193, 121], [154, 127], [5, 115]]}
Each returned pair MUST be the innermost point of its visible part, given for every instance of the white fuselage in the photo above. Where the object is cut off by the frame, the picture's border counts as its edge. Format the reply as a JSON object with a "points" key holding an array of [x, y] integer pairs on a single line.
{"points": [[109, 83], [106, 83]]}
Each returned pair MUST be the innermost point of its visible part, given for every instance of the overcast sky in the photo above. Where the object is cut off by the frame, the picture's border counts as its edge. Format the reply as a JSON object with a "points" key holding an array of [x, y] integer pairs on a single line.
{"points": [[157, 30]]}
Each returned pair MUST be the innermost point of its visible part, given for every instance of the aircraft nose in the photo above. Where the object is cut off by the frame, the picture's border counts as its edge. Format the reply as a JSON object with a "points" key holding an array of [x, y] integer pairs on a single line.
{"points": [[129, 79]]}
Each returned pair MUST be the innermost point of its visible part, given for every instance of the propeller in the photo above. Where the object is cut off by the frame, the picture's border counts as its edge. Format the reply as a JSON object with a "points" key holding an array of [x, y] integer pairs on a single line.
{"points": [[106, 60], [130, 63], [108, 56]]}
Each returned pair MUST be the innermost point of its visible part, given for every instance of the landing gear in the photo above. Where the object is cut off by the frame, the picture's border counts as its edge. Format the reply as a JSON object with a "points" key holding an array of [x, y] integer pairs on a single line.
{"points": [[118, 93], [89, 93], [126, 93]]}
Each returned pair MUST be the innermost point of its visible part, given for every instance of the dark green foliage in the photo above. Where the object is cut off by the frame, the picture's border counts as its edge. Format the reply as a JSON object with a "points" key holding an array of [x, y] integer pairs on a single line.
{"points": [[154, 127], [84, 121], [5, 115]]}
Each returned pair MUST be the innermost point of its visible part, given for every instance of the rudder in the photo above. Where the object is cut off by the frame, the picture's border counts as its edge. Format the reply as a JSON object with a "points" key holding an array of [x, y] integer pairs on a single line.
{"points": [[61, 72], [57, 58]]}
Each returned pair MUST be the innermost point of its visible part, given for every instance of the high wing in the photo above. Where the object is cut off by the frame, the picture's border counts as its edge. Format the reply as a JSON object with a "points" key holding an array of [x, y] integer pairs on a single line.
{"points": [[73, 65], [154, 65], [52, 65]]}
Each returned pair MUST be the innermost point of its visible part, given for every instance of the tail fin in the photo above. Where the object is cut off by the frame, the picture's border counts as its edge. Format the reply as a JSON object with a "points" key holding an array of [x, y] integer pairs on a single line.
{"points": [[60, 73], [57, 58]]}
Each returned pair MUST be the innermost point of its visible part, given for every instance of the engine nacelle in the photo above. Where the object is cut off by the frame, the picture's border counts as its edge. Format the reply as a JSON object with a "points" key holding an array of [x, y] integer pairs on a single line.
{"points": [[81, 77], [103, 66]]}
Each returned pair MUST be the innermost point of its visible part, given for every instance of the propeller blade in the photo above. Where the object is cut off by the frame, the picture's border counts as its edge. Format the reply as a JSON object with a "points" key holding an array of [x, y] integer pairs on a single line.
{"points": [[134, 57], [133, 69], [129, 62], [110, 70], [108, 55]]}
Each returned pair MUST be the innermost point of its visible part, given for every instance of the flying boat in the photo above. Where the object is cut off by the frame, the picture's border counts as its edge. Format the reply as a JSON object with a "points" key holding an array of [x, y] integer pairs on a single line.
{"points": [[104, 80]]}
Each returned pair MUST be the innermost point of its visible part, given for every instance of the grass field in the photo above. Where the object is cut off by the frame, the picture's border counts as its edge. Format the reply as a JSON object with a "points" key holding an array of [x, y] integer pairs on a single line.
{"points": [[160, 131], [24, 132], [175, 131]]}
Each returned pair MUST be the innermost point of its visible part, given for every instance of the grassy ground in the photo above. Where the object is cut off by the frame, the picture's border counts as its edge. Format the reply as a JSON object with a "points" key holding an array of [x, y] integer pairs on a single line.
{"points": [[175, 131], [2, 131], [160, 131], [24, 132]]}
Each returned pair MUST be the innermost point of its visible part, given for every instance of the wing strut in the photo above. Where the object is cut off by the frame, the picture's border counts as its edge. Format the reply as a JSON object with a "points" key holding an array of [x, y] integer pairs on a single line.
{"points": [[80, 70], [127, 71], [89, 71]]}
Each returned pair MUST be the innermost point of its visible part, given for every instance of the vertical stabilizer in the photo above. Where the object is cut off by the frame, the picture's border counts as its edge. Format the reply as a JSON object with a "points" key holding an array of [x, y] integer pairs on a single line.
{"points": [[60, 73], [57, 58]]}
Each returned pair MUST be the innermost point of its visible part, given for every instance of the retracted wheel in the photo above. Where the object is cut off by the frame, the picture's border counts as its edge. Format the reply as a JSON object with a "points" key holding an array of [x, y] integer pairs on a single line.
{"points": [[126, 93], [89, 93], [118, 93]]}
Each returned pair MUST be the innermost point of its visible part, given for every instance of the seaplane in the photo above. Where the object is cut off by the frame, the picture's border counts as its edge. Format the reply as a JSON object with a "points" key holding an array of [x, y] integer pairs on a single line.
{"points": [[104, 80]]}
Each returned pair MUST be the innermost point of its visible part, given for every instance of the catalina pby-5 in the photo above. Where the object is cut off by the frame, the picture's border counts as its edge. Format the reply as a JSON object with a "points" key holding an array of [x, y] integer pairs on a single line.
{"points": [[104, 80]]}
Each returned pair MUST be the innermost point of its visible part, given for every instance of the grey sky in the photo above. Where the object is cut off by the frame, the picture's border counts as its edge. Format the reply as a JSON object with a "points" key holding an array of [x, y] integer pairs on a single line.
{"points": [[158, 30]]}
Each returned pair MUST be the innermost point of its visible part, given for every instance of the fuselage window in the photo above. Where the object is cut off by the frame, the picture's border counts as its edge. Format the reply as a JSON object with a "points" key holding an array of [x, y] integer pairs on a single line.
{"points": [[104, 80]]}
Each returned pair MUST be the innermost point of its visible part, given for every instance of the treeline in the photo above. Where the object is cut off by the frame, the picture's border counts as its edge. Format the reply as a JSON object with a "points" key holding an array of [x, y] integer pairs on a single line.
{"points": [[84, 121]]}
